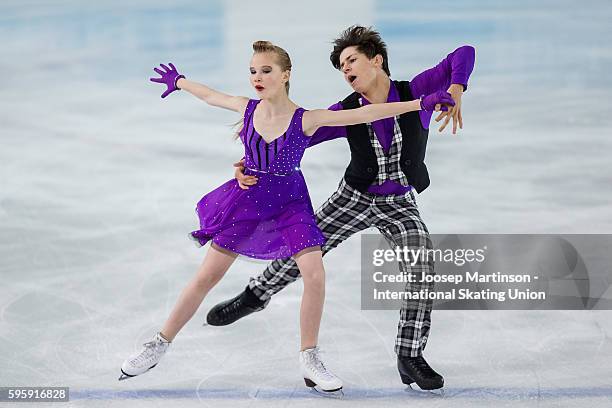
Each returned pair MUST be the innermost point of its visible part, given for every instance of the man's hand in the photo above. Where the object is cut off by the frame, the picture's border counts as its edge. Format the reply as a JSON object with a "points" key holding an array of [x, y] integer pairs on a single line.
{"points": [[437, 101], [456, 90], [244, 181]]}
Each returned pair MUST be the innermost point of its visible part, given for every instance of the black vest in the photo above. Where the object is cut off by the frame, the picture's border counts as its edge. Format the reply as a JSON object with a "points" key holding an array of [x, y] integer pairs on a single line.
{"points": [[363, 168]]}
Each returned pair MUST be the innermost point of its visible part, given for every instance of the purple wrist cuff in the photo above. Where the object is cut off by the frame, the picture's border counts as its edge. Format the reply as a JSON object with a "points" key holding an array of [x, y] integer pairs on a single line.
{"points": [[176, 80]]}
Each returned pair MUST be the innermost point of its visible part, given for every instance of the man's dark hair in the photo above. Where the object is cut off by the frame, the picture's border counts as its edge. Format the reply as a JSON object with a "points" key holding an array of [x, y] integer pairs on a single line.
{"points": [[366, 40]]}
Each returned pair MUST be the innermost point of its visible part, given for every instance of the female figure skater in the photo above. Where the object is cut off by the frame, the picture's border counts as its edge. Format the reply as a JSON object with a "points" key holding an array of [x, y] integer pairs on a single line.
{"points": [[275, 218]]}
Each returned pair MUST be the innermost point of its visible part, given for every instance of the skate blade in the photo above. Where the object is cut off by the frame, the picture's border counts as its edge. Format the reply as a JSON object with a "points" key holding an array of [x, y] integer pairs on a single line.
{"points": [[439, 392], [336, 394], [125, 376]]}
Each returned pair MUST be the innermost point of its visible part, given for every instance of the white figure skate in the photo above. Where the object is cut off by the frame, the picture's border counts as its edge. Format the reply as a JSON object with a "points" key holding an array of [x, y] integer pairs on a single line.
{"points": [[315, 374], [145, 359]]}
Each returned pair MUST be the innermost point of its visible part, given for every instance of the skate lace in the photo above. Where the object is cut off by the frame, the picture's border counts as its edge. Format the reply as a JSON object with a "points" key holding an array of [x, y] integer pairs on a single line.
{"points": [[421, 365], [314, 361], [152, 348], [231, 309]]}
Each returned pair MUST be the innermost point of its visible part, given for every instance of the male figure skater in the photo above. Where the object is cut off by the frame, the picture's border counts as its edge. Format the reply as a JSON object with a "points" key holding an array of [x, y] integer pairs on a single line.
{"points": [[387, 164]]}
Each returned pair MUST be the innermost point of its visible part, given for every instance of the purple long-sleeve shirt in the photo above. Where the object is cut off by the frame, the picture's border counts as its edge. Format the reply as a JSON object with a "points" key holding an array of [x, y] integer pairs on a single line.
{"points": [[454, 69]]}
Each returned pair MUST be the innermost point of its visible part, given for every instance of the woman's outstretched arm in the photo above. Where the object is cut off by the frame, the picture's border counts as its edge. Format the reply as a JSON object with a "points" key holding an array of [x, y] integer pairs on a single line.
{"points": [[175, 81], [213, 97], [314, 119]]}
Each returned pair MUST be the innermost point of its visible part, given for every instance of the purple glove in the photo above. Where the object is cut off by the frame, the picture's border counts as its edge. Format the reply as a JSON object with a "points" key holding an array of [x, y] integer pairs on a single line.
{"points": [[429, 102], [169, 76]]}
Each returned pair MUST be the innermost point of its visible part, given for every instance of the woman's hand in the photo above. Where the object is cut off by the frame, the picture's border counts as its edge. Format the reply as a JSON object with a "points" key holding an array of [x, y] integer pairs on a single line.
{"points": [[437, 101], [169, 76]]}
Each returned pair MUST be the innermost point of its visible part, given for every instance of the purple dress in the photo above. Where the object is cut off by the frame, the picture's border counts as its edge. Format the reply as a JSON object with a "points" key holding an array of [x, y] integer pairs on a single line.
{"points": [[273, 219]]}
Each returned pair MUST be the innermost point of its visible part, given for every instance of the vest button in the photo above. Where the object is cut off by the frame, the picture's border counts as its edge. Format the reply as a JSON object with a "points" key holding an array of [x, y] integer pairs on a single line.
{"points": [[407, 162], [369, 169]]}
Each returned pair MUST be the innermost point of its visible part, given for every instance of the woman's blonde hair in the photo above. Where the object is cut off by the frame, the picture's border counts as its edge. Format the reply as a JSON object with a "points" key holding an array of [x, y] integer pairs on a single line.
{"points": [[283, 60]]}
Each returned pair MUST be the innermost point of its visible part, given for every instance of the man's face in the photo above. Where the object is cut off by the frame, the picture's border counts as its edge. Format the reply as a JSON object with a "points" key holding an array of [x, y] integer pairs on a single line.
{"points": [[359, 70]]}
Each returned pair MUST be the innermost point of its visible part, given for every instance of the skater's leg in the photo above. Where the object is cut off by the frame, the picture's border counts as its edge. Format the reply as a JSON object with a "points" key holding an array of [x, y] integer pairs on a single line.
{"points": [[216, 262], [312, 367], [400, 223], [310, 263]]}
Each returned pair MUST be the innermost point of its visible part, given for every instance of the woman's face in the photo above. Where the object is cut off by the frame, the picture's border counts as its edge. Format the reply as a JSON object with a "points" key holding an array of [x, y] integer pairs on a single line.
{"points": [[266, 75]]}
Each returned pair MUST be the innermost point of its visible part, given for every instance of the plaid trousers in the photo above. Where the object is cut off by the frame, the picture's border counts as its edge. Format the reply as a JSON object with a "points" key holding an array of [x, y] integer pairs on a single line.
{"points": [[347, 212]]}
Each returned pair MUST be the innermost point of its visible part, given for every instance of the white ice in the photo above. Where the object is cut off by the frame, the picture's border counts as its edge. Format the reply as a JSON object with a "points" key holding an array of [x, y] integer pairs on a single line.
{"points": [[99, 180]]}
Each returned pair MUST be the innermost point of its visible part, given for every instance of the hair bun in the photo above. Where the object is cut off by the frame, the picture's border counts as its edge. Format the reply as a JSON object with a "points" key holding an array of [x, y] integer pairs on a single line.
{"points": [[263, 46]]}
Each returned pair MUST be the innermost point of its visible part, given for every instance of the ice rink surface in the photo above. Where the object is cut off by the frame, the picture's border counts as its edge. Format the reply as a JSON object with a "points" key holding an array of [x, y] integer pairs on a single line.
{"points": [[99, 178]]}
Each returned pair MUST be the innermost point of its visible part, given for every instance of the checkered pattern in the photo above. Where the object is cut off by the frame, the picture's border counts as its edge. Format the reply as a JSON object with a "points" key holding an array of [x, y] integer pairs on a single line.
{"points": [[347, 212], [388, 165], [381, 158]]}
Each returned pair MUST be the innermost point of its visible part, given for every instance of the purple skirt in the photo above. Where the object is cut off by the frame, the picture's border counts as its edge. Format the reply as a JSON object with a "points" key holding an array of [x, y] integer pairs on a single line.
{"points": [[273, 219]]}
